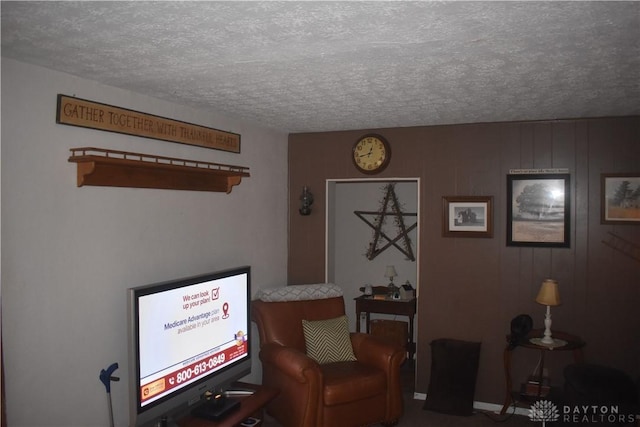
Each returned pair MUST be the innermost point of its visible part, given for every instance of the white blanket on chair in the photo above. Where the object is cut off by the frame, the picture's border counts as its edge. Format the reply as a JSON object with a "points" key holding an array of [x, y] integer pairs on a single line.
{"points": [[299, 292]]}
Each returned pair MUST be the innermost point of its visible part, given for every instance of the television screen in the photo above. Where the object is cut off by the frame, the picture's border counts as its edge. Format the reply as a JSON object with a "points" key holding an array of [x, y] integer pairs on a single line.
{"points": [[187, 337]]}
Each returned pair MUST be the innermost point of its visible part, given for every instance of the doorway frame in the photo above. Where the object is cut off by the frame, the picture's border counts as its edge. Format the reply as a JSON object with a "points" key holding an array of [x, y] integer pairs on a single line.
{"points": [[329, 188]]}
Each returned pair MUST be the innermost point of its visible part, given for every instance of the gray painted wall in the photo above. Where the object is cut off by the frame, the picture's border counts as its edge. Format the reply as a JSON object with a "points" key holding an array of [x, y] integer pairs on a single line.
{"points": [[69, 254]]}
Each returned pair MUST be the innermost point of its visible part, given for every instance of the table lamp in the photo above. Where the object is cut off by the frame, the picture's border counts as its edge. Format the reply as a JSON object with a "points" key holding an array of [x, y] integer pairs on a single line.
{"points": [[549, 296], [390, 272]]}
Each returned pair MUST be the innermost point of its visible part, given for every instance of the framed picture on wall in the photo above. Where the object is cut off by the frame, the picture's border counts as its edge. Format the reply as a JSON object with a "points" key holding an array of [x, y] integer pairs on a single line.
{"points": [[620, 198], [467, 216], [538, 210]]}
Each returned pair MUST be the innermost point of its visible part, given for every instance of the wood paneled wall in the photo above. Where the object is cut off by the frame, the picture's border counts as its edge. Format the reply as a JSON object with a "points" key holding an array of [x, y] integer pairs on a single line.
{"points": [[471, 288]]}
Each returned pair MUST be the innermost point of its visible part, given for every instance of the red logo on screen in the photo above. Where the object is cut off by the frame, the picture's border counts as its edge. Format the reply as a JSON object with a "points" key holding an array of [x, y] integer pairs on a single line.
{"points": [[215, 293], [225, 310]]}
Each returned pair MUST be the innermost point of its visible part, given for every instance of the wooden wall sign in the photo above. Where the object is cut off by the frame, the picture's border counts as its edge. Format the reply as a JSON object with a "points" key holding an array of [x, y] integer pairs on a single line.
{"points": [[94, 115]]}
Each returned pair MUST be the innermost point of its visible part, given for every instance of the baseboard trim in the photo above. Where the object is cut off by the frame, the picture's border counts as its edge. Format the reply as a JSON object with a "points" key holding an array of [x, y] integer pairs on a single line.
{"points": [[495, 408], [482, 406]]}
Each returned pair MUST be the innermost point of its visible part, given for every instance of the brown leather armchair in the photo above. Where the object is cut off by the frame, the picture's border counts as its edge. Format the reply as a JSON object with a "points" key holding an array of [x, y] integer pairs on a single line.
{"points": [[344, 394]]}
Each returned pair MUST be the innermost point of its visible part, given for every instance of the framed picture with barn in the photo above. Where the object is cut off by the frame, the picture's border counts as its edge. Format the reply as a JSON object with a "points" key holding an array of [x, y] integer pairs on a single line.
{"points": [[467, 216], [538, 210], [620, 198]]}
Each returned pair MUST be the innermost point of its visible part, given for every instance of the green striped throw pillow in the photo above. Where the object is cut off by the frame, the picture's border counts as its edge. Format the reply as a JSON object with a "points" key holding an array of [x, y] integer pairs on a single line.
{"points": [[328, 340]]}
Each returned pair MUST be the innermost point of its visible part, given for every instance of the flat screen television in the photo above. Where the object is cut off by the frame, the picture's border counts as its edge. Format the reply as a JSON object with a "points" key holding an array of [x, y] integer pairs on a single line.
{"points": [[187, 337]]}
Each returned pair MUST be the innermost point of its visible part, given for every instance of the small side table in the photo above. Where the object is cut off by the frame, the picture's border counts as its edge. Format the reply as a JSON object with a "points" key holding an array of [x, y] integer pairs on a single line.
{"points": [[574, 344], [368, 304]]}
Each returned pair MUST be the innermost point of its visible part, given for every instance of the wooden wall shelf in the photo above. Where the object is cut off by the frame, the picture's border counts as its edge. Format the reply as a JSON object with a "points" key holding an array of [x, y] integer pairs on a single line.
{"points": [[112, 168]]}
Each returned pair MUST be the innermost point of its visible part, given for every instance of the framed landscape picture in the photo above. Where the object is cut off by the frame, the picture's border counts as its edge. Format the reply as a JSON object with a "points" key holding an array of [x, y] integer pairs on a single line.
{"points": [[620, 202], [538, 211], [467, 216]]}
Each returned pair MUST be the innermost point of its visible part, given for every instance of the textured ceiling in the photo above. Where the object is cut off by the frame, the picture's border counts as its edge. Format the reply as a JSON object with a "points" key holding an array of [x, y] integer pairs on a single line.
{"points": [[322, 66]]}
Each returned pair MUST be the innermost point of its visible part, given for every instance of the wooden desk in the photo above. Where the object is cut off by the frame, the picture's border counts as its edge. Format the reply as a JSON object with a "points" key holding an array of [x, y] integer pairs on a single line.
{"points": [[574, 344], [250, 406], [368, 305]]}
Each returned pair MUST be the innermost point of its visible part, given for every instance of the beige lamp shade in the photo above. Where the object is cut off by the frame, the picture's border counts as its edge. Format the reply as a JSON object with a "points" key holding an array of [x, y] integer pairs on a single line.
{"points": [[548, 294], [390, 272]]}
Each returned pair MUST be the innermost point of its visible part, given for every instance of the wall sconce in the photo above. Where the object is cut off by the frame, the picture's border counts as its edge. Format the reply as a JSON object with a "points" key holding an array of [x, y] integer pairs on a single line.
{"points": [[306, 200]]}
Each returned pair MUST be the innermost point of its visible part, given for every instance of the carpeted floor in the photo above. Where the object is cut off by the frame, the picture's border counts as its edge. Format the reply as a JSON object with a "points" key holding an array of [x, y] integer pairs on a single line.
{"points": [[415, 416]]}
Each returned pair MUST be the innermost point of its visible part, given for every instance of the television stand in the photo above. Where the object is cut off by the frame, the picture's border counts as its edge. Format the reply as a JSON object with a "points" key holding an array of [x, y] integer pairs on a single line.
{"points": [[217, 411], [250, 406]]}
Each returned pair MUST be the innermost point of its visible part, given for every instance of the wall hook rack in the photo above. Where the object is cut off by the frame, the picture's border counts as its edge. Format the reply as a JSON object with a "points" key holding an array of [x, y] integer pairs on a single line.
{"points": [[111, 168]]}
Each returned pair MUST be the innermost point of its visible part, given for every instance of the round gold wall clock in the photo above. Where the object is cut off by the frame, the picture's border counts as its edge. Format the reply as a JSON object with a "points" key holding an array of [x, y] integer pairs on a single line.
{"points": [[371, 154]]}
